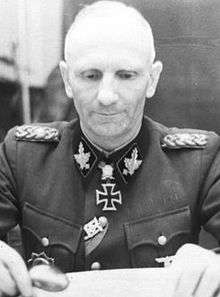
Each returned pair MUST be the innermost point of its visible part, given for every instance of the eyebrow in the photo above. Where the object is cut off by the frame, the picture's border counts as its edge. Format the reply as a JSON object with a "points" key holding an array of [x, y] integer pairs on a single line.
{"points": [[96, 66]]}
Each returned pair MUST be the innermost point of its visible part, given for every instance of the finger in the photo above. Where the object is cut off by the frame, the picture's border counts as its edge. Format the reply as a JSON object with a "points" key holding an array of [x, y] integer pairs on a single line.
{"points": [[17, 268], [188, 267], [8, 285], [217, 292], [49, 278], [187, 282], [210, 282], [191, 254]]}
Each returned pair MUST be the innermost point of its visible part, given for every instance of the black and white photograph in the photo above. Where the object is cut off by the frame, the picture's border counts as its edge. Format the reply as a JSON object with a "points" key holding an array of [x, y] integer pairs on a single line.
{"points": [[110, 148]]}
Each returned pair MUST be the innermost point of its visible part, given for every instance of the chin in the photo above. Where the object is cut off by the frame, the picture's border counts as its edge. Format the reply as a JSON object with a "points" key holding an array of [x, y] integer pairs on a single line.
{"points": [[109, 131]]}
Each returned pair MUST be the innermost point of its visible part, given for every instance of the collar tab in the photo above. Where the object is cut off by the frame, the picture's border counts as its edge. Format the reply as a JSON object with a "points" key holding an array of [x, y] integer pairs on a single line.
{"points": [[85, 158], [130, 162]]}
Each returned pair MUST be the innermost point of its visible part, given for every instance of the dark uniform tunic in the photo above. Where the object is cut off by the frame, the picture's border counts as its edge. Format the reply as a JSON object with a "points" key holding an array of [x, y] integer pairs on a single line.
{"points": [[168, 180]]}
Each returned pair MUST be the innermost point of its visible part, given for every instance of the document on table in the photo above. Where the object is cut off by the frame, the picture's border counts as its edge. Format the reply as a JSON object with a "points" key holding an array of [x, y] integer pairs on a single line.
{"points": [[140, 282]]}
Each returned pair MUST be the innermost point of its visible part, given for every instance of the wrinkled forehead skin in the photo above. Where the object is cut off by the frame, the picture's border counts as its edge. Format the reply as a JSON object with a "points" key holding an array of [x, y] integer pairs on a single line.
{"points": [[109, 23]]}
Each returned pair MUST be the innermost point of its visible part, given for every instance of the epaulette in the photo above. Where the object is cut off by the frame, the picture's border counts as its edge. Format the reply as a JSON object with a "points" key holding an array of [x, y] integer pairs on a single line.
{"points": [[185, 140], [37, 133]]}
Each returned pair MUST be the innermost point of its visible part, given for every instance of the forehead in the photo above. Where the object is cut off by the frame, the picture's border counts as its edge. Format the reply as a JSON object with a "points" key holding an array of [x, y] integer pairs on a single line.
{"points": [[108, 57], [112, 36]]}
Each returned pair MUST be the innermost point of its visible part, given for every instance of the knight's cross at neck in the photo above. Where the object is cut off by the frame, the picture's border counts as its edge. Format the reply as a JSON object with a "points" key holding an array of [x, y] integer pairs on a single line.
{"points": [[121, 168]]}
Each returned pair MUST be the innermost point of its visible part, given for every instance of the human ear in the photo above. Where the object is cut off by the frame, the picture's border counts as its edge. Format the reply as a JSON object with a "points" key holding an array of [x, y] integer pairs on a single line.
{"points": [[154, 78], [65, 76]]}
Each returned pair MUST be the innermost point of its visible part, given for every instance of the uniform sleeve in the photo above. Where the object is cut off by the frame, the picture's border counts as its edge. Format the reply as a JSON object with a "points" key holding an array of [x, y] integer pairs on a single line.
{"points": [[9, 213], [210, 194]]}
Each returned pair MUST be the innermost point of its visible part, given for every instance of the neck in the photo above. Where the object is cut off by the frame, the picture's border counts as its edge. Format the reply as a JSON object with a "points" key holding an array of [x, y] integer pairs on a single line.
{"points": [[109, 144]]}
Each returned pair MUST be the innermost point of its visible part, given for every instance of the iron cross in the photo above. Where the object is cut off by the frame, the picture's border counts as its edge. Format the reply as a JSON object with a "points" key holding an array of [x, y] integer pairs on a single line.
{"points": [[108, 197]]}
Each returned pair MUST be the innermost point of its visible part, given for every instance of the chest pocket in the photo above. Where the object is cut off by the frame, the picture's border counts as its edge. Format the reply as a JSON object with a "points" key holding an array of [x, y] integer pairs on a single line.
{"points": [[57, 237], [157, 236]]}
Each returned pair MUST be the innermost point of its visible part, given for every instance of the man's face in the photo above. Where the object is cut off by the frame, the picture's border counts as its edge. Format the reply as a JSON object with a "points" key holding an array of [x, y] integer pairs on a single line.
{"points": [[109, 88], [108, 74]]}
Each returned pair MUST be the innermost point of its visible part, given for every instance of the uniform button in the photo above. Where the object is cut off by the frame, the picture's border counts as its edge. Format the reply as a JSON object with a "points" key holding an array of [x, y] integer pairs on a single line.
{"points": [[103, 221], [45, 241], [162, 240], [95, 266]]}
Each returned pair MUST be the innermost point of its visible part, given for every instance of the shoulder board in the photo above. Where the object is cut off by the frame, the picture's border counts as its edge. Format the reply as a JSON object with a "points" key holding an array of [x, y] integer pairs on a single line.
{"points": [[185, 140], [37, 133]]}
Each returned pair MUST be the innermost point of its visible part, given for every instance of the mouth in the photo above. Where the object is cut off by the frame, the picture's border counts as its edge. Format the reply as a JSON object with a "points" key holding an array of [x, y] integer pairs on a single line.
{"points": [[105, 117], [107, 114]]}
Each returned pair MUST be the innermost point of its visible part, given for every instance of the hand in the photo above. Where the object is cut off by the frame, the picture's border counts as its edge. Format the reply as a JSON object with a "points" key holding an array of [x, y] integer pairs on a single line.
{"points": [[48, 278], [14, 276], [196, 271]]}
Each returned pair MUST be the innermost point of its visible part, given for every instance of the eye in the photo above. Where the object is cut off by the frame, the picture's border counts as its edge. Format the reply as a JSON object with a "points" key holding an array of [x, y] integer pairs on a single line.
{"points": [[91, 74], [126, 74]]}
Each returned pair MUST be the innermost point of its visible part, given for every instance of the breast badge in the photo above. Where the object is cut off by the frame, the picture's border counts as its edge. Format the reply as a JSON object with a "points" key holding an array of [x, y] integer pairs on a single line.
{"points": [[95, 231], [40, 258]]}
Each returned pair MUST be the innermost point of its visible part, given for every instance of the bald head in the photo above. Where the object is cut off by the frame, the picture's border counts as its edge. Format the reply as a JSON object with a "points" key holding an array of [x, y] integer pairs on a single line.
{"points": [[110, 71], [104, 22]]}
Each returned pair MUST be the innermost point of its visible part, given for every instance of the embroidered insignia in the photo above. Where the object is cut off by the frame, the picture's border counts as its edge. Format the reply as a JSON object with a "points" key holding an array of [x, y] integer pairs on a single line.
{"points": [[41, 258], [82, 158], [129, 163], [166, 261], [108, 197], [85, 157], [185, 140], [36, 133], [132, 164]]}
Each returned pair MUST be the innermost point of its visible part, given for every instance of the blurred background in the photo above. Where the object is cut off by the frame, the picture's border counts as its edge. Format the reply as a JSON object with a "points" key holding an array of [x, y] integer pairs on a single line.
{"points": [[187, 40]]}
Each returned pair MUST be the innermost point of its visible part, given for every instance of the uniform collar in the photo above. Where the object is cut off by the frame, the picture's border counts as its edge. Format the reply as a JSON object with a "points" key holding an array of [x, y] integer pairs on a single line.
{"points": [[126, 160]]}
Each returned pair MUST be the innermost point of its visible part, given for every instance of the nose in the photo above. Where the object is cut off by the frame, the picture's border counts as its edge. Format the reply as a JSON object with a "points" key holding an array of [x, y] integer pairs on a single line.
{"points": [[107, 94]]}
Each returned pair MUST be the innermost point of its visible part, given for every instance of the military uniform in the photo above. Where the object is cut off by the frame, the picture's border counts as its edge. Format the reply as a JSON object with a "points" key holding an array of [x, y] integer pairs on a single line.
{"points": [[83, 209]]}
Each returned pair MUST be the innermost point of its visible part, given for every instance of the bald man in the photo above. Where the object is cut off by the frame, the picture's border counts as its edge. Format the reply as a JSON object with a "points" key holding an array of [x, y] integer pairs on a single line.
{"points": [[112, 189]]}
